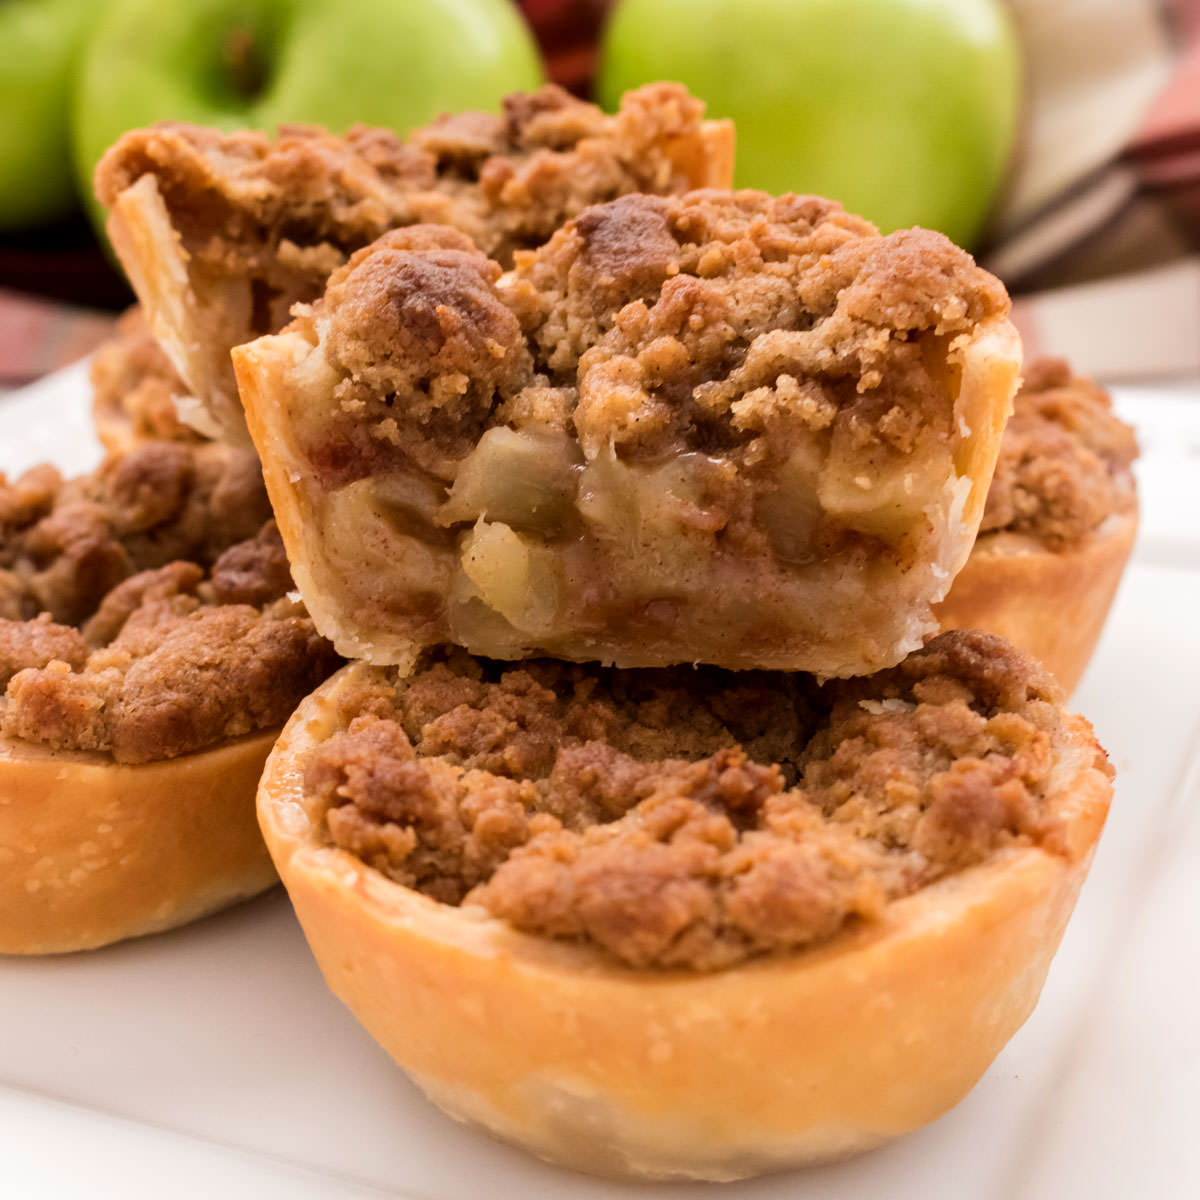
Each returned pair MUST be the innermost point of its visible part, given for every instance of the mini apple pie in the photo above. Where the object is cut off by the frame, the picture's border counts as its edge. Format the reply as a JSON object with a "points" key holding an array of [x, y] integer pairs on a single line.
{"points": [[1058, 527], [688, 923], [221, 233], [722, 428], [149, 653], [134, 389]]}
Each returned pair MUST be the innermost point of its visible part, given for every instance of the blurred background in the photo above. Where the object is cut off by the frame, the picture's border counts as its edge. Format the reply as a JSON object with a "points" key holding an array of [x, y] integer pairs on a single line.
{"points": [[1059, 140]]}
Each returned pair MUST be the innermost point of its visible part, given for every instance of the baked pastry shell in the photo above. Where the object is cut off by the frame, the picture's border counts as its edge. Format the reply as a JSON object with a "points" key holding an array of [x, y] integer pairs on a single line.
{"points": [[92, 851], [1052, 604], [672, 1074]]}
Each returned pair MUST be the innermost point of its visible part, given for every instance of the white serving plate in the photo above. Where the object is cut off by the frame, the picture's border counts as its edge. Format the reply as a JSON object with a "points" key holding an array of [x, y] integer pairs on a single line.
{"points": [[212, 1062]]}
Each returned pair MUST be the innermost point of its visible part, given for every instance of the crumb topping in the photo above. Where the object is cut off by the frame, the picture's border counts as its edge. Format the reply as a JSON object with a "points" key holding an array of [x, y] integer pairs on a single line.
{"points": [[134, 384], [64, 544], [144, 608], [689, 817], [1065, 460], [705, 322]]}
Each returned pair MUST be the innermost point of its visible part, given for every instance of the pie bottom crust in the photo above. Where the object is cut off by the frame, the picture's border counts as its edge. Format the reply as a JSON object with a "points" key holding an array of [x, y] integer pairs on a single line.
{"points": [[672, 1074], [92, 852], [1051, 604]]}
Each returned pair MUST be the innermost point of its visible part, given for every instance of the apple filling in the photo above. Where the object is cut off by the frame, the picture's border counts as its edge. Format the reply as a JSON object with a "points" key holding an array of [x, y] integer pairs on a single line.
{"points": [[689, 817], [723, 428], [220, 234]]}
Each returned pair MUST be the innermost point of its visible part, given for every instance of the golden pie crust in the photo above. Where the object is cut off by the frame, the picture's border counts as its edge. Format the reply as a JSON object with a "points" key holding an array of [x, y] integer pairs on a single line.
{"points": [[672, 1074], [94, 851]]}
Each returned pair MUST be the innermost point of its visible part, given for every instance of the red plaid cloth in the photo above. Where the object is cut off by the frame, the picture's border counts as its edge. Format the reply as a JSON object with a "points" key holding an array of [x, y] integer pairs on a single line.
{"points": [[38, 336]]}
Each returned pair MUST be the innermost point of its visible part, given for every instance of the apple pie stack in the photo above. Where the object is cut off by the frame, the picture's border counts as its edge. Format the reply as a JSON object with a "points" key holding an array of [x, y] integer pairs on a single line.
{"points": [[647, 829]]}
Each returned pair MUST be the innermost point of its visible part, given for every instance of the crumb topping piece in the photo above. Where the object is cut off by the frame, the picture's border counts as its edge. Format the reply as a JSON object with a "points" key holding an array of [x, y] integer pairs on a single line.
{"points": [[1065, 460], [64, 544], [144, 608], [689, 818]]}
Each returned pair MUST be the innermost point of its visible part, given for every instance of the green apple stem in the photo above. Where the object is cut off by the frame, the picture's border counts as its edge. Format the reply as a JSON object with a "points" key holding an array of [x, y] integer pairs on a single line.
{"points": [[244, 62]]}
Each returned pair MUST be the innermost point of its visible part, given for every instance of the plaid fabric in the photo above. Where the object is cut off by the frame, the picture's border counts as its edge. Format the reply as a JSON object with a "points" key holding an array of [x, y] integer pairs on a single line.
{"points": [[38, 336]]}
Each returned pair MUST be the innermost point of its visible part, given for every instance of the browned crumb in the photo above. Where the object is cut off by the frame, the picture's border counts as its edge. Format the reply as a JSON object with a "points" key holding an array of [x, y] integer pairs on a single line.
{"points": [[134, 387], [690, 818], [36, 643], [167, 666], [1064, 462], [65, 544], [715, 321], [144, 609]]}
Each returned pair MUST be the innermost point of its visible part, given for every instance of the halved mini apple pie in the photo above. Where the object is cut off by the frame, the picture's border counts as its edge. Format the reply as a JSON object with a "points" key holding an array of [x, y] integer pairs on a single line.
{"points": [[220, 233], [725, 428], [688, 923]]}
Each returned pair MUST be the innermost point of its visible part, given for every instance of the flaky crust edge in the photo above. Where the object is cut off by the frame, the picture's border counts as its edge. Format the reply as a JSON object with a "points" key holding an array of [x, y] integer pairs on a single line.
{"points": [[92, 852], [774, 1063], [989, 373], [262, 368], [1052, 604], [156, 263], [982, 367]]}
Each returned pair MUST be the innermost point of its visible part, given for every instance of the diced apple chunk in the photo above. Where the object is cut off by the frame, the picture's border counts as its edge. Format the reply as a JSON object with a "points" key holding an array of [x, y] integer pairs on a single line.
{"points": [[515, 575], [792, 512], [522, 478]]}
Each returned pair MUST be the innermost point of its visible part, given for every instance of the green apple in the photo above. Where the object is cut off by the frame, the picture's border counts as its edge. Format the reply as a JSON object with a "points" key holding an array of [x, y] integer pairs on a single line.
{"points": [[260, 63], [40, 41], [903, 110]]}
